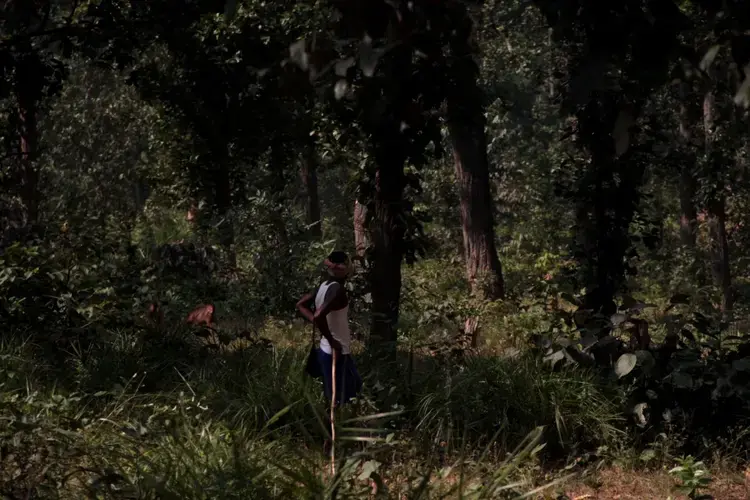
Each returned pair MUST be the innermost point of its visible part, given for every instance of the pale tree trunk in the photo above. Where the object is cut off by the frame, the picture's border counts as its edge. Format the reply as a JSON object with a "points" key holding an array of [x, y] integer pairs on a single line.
{"points": [[717, 214], [361, 235]]}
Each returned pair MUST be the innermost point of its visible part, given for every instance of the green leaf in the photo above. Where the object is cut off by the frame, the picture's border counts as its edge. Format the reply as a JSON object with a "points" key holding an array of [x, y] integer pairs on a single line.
{"points": [[368, 57], [709, 57], [298, 54], [368, 468], [339, 90], [625, 364], [555, 357], [618, 319], [645, 360], [682, 380], [680, 298], [647, 455]]}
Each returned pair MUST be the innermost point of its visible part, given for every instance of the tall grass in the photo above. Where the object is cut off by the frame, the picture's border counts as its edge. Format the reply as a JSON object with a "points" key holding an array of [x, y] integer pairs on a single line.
{"points": [[137, 418], [510, 397]]}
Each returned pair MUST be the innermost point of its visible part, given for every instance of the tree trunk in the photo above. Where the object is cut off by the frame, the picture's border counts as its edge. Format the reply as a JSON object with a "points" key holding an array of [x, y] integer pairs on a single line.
{"points": [[309, 175], [28, 137], [361, 236], [717, 211], [466, 124], [387, 230], [607, 197], [720, 253], [224, 208], [688, 212]]}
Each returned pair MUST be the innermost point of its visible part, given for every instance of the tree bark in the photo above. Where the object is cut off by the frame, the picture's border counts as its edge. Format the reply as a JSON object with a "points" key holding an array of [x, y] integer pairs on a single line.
{"points": [[717, 211], [688, 212], [466, 125], [224, 208], [687, 187], [309, 175], [720, 253], [361, 236], [28, 138], [387, 230]]}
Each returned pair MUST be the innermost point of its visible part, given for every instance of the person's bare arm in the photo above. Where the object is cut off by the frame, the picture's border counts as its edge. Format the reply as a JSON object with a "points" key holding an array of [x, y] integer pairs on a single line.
{"points": [[303, 306], [334, 295]]}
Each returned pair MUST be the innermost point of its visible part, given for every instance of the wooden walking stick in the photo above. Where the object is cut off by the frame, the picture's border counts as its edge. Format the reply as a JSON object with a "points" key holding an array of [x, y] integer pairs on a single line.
{"points": [[333, 407]]}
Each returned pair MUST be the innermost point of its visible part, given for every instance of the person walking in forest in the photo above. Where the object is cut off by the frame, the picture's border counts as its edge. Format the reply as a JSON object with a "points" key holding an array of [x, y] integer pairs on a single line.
{"points": [[331, 318]]}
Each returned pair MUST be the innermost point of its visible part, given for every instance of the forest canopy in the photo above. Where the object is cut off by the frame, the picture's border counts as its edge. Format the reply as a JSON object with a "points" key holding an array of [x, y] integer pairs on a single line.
{"points": [[543, 201]]}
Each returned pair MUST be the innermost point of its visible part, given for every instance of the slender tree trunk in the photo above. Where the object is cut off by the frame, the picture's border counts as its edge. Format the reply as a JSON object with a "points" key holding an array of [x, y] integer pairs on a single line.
{"points": [[717, 211], [309, 175], [279, 158], [688, 212], [28, 137], [466, 124], [224, 208], [361, 236], [308, 172], [720, 253]]}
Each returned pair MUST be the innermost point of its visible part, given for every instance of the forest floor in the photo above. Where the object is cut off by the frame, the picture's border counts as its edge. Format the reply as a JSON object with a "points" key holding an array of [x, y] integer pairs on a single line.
{"points": [[620, 484]]}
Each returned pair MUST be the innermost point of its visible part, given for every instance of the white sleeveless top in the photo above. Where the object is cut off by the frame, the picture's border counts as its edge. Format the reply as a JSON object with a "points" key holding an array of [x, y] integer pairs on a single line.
{"points": [[338, 322]]}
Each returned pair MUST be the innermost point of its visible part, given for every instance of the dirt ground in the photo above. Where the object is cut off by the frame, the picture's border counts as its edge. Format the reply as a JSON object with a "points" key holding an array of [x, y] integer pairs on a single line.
{"points": [[618, 484]]}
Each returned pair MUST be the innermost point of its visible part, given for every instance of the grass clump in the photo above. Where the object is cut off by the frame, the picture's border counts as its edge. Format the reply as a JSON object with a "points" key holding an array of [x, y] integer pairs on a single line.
{"points": [[248, 424]]}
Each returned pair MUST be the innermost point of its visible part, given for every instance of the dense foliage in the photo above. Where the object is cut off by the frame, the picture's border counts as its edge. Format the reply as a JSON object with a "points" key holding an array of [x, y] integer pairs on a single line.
{"points": [[545, 201]]}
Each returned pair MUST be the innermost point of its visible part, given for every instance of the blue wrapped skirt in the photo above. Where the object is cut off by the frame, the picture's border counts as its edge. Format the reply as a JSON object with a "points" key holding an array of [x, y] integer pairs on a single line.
{"points": [[348, 381]]}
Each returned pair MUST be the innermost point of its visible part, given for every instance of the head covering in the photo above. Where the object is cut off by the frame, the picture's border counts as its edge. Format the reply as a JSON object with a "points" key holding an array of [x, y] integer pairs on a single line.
{"points": [[337, 265]]}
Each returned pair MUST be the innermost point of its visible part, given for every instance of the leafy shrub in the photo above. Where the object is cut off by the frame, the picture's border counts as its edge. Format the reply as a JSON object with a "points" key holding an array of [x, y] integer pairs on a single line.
{"points": [[694, 378]]}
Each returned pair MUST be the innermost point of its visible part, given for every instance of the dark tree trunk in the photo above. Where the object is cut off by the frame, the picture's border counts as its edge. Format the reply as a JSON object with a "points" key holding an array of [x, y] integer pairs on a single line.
{"points": [[720, 253], [607, 197], [716, 208], [688, 213], [466, 124], [309, 174], [224, 209], [387, 231]]}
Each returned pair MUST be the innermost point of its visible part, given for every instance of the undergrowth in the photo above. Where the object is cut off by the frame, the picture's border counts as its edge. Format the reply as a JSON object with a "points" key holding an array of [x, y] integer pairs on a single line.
{"points": [[246, 423]]}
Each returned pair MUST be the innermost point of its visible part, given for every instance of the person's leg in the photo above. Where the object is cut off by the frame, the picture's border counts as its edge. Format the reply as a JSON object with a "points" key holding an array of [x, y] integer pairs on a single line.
{"points": [[349, 381], [325, 361]]}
